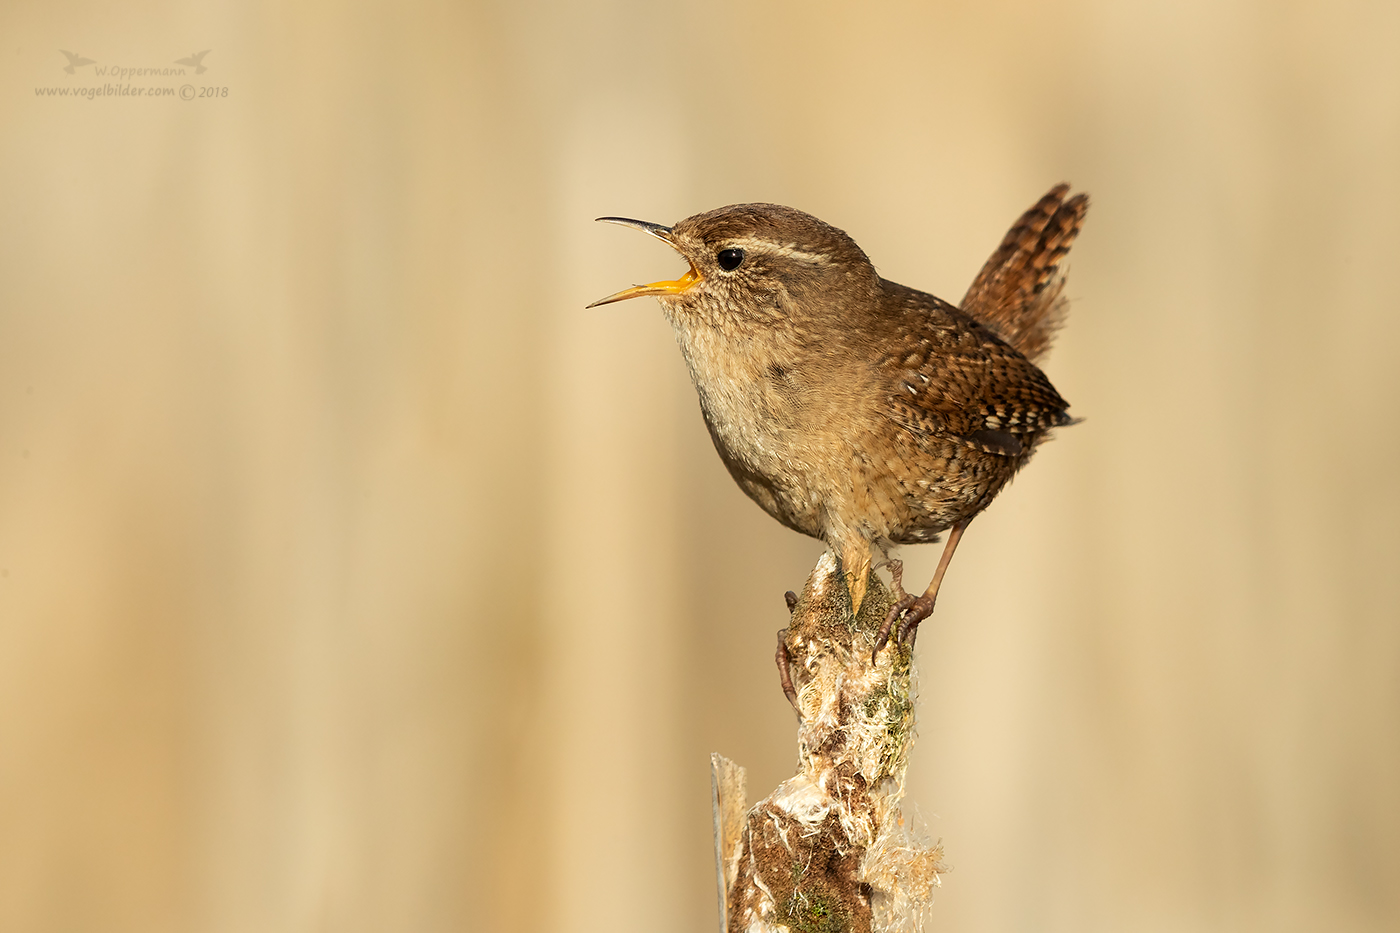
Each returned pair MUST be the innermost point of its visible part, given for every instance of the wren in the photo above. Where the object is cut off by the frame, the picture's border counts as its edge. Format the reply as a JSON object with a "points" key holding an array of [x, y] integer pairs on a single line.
{"points": [[853, 409]]}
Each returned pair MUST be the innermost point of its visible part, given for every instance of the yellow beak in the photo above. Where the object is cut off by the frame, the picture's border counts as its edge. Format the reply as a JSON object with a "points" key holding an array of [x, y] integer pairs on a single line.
{"points": [[674, 287]]}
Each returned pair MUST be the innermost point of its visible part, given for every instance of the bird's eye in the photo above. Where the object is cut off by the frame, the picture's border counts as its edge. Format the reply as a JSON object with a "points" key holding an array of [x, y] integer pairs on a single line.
{"points": [[729, 259]]}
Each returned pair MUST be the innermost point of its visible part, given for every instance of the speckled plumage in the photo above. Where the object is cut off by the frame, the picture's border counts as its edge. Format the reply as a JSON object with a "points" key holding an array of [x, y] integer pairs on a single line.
{"points": [[849, 407]]}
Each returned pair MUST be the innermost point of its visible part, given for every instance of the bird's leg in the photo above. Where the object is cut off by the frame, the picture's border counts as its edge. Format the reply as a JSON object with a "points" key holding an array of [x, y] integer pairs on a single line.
{"points": [[855, 561], [917, 610], [784, 662], [921, 608]]}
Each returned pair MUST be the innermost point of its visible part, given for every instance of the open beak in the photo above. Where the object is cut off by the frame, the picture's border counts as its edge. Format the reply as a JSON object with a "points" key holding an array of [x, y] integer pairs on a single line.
{"points": [[655, 288]]}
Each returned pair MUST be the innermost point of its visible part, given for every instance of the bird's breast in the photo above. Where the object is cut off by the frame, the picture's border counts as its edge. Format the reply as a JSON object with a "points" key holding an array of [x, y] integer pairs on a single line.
{"points": [[752, 398], [756, 401]]}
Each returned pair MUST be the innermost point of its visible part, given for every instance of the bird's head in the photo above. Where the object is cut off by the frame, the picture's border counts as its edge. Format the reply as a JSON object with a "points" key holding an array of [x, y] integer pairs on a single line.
{"points": [[754, 266]]}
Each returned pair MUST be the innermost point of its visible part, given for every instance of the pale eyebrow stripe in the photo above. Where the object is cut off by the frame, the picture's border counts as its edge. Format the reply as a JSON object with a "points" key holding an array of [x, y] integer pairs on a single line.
{"points": [[786, 250]]}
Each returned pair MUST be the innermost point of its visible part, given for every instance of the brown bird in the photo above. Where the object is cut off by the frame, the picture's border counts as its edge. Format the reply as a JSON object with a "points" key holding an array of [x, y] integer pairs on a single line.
{"points": [[853, 409]]}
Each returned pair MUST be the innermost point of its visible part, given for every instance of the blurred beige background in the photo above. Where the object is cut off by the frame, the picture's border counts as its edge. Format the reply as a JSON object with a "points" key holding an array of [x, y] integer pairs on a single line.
{"points": [[354, 578]]}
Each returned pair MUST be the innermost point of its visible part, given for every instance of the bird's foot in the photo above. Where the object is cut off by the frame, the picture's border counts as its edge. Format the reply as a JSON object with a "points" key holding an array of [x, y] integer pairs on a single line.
{"points": [[917, 612], [784, 662], [914, 610], [897, 578], [908, 611]]}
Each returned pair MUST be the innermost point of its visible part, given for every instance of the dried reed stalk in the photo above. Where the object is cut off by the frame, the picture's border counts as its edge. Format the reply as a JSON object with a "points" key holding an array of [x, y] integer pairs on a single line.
{"points": [[828, 851]]}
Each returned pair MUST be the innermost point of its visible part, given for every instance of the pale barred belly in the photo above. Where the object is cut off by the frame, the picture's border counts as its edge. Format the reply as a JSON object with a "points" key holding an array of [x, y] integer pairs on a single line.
{"points": [[756, 425], [771, 465], [834, 486], [933, 484]]}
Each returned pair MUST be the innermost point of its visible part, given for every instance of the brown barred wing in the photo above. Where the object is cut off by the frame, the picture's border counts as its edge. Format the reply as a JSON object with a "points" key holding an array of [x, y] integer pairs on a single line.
{"points": [[950, 377]]}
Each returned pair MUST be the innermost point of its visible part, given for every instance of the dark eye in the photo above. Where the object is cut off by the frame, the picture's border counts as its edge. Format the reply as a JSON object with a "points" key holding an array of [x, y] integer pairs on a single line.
{"points": [[729, 259]]}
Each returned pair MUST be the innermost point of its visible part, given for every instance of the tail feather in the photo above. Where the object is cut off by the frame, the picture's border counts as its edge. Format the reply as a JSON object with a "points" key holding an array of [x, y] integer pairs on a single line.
{"points": [[1017, 293]]}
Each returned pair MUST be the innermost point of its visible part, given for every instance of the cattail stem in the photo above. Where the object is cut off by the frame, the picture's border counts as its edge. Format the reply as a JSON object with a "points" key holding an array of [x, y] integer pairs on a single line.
{"points": [[828, 851]]}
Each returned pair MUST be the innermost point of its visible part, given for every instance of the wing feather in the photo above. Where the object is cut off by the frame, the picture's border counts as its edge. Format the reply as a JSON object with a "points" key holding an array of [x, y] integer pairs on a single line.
{"points": [[951, 377]]}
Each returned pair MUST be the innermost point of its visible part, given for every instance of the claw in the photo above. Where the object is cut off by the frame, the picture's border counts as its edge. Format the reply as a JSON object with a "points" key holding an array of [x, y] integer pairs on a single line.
{"points": [[784, 662], [883, 637]]}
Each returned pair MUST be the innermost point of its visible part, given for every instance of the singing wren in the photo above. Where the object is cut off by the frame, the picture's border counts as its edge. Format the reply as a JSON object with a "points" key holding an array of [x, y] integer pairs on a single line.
{"points": [[853, 409]]}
